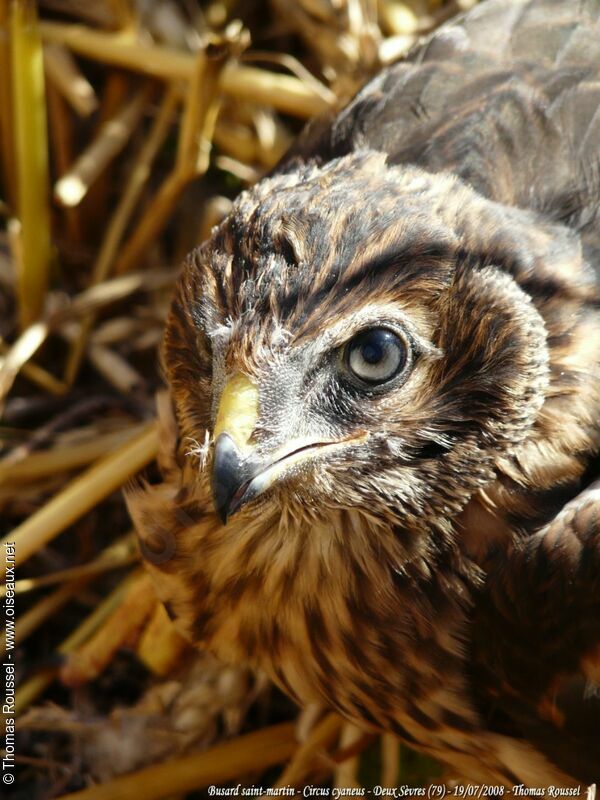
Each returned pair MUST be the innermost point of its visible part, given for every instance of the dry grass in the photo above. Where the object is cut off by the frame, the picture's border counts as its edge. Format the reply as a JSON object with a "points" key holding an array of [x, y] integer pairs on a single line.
{"points": [[125, 130]]}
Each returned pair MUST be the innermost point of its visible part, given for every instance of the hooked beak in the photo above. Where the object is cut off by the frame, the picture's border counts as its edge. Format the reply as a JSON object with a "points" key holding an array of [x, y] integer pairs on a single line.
{"points": [[231, 477], [238, 476], [233, 466]]}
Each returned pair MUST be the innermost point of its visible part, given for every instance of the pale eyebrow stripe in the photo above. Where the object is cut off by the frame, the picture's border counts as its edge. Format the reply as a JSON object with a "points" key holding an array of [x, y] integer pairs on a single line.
{"points": [[341, 332]]}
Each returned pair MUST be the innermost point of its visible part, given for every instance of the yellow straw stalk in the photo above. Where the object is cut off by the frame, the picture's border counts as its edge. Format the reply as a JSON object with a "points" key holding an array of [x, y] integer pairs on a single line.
{"points": [[31, 146]]}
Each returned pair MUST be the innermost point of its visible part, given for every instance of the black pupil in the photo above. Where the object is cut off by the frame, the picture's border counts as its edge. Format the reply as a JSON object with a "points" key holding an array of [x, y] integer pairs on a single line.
{"points": [[374, 348]]}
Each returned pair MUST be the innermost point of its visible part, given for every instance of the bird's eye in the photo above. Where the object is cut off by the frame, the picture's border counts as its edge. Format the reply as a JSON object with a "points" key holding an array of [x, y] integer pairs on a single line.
{"points": [[376, 355]]}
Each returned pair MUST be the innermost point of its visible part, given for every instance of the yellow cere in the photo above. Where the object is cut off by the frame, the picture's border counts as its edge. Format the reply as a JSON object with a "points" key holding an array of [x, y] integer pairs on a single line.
{"points": [[238, 410]]}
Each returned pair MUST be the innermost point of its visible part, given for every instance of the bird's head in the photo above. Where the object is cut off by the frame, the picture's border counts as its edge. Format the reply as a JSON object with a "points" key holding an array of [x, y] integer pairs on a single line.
{"points": [[352, 336]]}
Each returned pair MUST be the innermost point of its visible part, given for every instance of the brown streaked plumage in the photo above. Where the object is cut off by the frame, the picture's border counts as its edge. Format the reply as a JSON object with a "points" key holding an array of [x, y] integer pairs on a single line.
{"points": [[384, 366]]}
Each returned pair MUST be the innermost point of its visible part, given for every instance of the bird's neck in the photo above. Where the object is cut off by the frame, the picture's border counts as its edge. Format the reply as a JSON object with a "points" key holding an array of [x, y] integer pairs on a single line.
{"points": [[299, 594]]}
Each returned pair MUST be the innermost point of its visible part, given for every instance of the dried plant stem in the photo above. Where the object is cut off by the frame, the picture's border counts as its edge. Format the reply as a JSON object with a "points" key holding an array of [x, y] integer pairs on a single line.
{"points": [[123, 13], [308, 754], [215, 211], [125, 624], [121, 50], [344, 42], [237, 141], [37, 375], [121, 217], [33, 688], [87, 301], [390, 760], [242, 171], [296, 67], [346, 773], [161, 647], [191, 121], [29, 622], [395, 47], [252, 752], [114, 94], [67, 78], [111, 139], [135, 185], [82, 494], [354, 749], [62, 149], [115, 369], [7, 148], [44, 379], [193, 151], [402, 17], [63, 459], [31, 147], [154, 219], [119, 554], [112, 291], [283, 92], [200, 113], [18, 355], [241, 143], [274, 139]]}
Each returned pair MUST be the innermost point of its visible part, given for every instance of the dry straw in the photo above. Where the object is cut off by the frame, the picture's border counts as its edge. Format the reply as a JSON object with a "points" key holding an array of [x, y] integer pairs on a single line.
{"points": [[31, 148], [82, 494]]}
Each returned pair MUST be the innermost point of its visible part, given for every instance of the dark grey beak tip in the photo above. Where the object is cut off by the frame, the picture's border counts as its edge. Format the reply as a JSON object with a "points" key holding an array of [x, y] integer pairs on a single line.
{"points": [[229, 474]]}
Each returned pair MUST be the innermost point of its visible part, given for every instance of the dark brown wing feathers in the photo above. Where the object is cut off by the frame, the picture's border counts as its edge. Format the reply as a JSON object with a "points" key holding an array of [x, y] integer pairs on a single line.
{"points": [[507, 97], [534, 649]]}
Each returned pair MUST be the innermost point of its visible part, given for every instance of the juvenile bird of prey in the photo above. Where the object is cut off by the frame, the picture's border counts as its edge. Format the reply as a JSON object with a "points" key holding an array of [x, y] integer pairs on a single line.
{"points": [[388, 354]]}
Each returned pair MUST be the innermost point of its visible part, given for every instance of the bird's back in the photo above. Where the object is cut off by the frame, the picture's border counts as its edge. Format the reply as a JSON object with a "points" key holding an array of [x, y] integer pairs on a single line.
{"points": [[506, 96]]}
